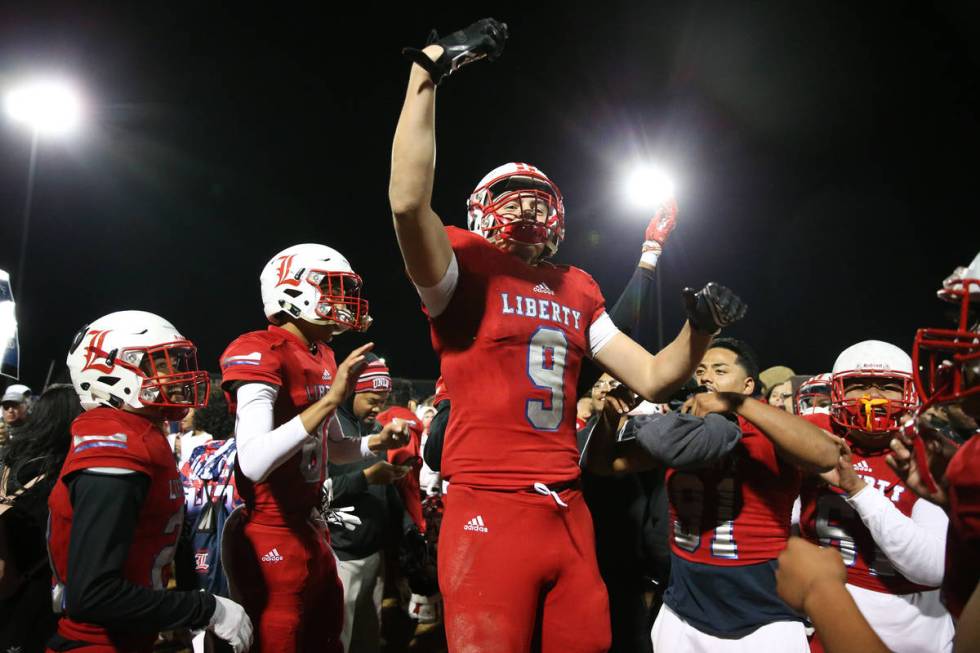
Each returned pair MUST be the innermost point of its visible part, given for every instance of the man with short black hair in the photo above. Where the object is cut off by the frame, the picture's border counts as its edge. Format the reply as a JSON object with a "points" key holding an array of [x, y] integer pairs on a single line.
{"points": [[730, 505]]}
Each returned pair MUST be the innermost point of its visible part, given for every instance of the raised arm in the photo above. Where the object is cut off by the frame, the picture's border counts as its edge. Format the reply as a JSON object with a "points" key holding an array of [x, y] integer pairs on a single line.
{"points": [[656, 378], [421, 236]]}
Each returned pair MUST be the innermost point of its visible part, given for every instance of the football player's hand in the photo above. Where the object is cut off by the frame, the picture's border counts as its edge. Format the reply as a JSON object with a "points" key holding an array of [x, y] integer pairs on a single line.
{"points": [[394, 434], [661, 224], [705, 403], [713, 307], [618, 401], [443, 56], [843, 475], [936, 452], [345, 380], [230, 623], [384, 473], [802, 566]]}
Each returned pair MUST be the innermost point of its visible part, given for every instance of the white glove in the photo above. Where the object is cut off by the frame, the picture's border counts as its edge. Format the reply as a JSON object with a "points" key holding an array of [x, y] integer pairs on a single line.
{"points": [[230, 623], [344, 517]]}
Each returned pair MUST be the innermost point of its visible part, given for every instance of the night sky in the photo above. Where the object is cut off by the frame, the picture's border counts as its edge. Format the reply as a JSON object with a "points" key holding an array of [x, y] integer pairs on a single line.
{"points": [[825, 156]]}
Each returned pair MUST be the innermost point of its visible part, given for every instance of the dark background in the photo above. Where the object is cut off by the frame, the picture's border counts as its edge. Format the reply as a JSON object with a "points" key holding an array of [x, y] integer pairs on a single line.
{"points": [[825, 155]]}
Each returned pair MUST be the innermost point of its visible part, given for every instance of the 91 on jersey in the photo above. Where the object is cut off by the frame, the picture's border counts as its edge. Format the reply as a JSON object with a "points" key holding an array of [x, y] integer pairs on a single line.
{"points": [[696, 512]]}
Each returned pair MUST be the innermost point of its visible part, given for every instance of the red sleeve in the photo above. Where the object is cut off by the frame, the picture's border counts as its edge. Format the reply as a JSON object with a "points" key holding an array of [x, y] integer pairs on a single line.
{"points": [[963, 475], [108, 443], [595, 295], [251, 357]]}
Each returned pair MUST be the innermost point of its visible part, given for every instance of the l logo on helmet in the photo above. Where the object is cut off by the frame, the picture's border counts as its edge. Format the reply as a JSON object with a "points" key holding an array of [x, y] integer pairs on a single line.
{"points": [[286, 262], [94, 352]]}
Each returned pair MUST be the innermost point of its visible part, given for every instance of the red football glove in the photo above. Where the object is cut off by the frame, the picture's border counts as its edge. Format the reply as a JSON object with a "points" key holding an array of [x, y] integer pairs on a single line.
{"points": [[661, 224]]}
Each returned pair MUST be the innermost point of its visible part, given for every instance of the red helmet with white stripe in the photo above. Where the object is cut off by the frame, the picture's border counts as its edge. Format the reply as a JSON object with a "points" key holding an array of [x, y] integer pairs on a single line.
{"points": [[518, 203], [813, 395]]}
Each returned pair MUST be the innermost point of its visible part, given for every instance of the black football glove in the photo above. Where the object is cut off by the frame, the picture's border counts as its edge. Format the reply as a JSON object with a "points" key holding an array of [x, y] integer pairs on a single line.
{"points": [[484, 38], [713, 307]]}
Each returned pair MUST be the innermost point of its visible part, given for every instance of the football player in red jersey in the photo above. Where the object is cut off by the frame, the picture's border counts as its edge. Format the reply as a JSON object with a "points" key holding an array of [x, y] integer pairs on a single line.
{"points": [[117, 509], [892, 542], [286, 386], [517, 558], [938, 454], [730, 504]]}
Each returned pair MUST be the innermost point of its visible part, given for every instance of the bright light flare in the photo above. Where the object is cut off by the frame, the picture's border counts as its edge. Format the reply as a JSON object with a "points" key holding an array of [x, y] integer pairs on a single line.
{"points": [[648, 186], [51, 107]]}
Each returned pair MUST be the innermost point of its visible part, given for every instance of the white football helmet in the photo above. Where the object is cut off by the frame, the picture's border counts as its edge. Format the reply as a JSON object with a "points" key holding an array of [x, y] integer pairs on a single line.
{"points": [[813, 395], [488, 213], [314, 283], [871, 360], [138, 360]]}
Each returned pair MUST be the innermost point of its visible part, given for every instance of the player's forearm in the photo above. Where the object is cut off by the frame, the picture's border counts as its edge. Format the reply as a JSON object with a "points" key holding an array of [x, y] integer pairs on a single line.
{"points": [[262, 448], [413, 152], [915, 545], [674, 365], [318, 412], [839, 623], [106, 512], [806, 444]]}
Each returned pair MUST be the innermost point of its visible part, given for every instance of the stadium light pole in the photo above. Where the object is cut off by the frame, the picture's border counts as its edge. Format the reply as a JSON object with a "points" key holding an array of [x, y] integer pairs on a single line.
{"points": [[647, 187], [49, 108]]}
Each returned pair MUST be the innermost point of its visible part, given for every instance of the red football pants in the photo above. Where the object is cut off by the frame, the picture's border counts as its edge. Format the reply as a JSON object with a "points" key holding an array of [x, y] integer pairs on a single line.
{"points": [[515, 569], [286, 579]]}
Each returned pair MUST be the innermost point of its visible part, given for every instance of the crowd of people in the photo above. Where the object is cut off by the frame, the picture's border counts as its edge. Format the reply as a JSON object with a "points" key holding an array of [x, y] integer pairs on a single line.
{"points": [[691, 501]]}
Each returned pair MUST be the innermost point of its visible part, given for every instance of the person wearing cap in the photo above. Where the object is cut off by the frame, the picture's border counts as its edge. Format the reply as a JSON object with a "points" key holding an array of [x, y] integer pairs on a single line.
{"points": [[777, 387], [361, 500], [16, 404]]}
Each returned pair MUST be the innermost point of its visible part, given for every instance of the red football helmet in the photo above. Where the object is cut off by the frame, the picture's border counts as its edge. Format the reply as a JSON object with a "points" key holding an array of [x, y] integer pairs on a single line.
{"points": [[947, 361], [813, 395], [871, 362], [515, 183]]}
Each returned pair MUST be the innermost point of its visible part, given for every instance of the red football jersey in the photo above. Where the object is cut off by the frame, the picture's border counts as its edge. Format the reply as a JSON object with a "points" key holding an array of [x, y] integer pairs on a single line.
{"points": [[737, 511], [828, 520], [963, 537], [511, 343], [303, 374], [105, 437]]}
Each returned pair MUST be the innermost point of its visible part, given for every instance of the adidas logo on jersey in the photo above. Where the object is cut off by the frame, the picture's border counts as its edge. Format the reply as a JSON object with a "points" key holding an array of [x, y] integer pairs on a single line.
{"points": [[476, 524], [272, 556], [862, 466], [544, 289]]}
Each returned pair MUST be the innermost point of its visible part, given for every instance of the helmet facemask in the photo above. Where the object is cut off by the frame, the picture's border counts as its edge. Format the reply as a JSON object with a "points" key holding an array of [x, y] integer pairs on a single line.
{"points": [[170, 380], [876, 416], [523, 208], [814, 396], [947, 361], [340, 300]]}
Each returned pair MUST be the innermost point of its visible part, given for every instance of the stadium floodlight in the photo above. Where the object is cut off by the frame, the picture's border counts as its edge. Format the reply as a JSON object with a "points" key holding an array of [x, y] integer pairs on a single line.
{"points": [[648, 186], [49, 107]]}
